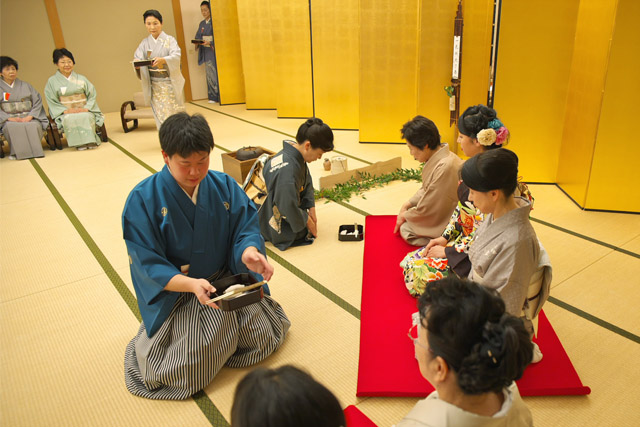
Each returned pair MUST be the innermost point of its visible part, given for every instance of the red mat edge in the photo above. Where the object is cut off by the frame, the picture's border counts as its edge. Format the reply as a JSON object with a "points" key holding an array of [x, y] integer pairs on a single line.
{"points": [[356, 418], [564, 391]]}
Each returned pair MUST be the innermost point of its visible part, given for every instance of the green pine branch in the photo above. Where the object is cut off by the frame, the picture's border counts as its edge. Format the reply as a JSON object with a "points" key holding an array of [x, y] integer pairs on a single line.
{"points": [[343, 192]]}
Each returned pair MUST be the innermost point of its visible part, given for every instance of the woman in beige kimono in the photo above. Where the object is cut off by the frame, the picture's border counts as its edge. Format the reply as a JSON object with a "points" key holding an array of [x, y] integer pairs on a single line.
{"points": [[22, 118], [471, 351], [425, 215], [162, 82], [72, 103]]}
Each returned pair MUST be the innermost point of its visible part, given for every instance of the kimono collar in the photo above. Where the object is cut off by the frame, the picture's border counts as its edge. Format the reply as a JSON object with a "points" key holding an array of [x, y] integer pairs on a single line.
{"points": [[161, 36], [442, 153], [519, 214], [10, 85], [292, 151]]}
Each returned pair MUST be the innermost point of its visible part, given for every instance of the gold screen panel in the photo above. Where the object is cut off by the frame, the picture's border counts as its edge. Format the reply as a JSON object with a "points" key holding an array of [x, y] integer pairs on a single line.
{"points": [[435, 64], [254, 22], [388, 67], [336, 60], [290, 36], [530, 94], [614, 173], [584, 98], [224, 15]]}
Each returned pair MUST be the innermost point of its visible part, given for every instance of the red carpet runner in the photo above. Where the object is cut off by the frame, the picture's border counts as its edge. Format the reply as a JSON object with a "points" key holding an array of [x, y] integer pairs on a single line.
{"points": [[387, 363]]}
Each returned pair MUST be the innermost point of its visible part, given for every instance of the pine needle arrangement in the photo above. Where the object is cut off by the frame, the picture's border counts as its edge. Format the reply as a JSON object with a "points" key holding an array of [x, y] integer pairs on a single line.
{"points": [[364, 182]]}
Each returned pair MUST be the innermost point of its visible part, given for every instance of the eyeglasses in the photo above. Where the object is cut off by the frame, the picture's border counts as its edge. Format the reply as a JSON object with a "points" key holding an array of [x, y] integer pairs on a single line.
{"points": [[415, 339]]}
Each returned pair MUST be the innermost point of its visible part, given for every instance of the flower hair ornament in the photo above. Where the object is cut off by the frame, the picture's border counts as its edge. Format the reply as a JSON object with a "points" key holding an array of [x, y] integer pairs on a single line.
{"points": [[496, 133]]}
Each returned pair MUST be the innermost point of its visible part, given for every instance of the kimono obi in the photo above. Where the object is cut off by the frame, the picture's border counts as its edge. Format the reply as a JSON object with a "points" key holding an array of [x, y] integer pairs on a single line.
{"points": [[77, 100], [159, 73], [17, 108]]}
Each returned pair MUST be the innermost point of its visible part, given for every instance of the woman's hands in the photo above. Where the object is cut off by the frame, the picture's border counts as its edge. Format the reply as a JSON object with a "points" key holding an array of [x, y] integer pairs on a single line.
{"points": [[312, 222], [158, 62], [435, 248]]}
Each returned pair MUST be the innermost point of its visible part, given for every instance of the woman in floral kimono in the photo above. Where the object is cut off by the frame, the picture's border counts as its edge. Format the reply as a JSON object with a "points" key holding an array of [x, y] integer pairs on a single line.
{"points": [[22, 118], [480, 130], [162, 82], [72, 103]]}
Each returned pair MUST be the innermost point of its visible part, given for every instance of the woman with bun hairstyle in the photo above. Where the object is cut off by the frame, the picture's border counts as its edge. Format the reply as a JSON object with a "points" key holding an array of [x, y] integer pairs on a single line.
{"points": [[288, 215], [480, 130], [505, 251], [471, 351]]}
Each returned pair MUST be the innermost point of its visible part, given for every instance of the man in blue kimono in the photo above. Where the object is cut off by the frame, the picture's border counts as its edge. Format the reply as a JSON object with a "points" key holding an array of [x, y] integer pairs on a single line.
{"points": [[288, 215], [183, 226]]}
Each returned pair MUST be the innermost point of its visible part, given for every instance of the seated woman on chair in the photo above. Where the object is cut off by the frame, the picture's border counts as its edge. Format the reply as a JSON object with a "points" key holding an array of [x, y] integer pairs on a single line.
{"points": [[22, 118], [471, 351], [72, 103]]}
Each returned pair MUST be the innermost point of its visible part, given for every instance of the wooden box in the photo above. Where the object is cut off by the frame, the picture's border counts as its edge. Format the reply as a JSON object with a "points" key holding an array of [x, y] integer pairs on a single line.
{"points": [[237, 169]]}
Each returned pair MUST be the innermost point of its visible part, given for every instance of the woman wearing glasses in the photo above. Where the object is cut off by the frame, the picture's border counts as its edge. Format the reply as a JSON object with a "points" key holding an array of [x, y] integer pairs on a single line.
{"points": [[471, 351]]}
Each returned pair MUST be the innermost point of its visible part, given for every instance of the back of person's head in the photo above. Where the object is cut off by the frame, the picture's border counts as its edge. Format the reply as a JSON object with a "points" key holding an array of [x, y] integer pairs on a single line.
{"points": [[184, 135], [421, 132], [467, 326], [318, 133], [492, 170], [59, 53], [7, 61], [152, 12], [284, 397], [482, 122]]}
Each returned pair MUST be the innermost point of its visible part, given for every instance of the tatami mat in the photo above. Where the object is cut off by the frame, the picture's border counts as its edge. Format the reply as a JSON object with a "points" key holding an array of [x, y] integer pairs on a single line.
{"points": [[63, 362], [64, 325]]}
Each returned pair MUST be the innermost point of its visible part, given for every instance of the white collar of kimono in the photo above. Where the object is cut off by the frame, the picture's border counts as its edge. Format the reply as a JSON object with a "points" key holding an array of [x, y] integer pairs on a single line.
{"points": [[159, 37], [10, 85], [207, 21], [193, 198]]}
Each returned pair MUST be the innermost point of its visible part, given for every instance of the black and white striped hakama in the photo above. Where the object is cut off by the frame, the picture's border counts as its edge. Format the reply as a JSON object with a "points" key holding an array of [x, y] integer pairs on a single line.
{"points": [[196, 341]]}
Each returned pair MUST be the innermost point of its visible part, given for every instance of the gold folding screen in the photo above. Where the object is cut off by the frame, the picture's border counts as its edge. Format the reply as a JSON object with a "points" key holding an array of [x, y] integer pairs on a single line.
{"points": [[388, 67], [534, 64], [336, 61], [436, 62], [254, 20], [584, 100], [224, 15], [291, 40]]}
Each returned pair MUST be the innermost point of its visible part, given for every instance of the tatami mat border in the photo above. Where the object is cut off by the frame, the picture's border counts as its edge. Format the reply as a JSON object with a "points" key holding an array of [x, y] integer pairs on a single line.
{"points": [[202, 400], [314, 284], [355, 312], [274, 130]]}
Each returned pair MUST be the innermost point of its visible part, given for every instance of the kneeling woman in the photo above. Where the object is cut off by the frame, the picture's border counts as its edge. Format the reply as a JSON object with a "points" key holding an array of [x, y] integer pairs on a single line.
{"points": [[471, 351], [72, 103], [505, 251]]}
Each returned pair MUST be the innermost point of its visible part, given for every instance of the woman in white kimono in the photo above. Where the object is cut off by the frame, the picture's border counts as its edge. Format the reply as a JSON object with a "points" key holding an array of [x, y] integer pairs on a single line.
{"points": [[471, 351], [22, 118], [162, 82], [72, 103]]}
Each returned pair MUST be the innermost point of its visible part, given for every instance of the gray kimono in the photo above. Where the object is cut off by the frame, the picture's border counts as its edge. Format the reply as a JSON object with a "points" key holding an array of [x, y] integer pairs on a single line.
{"points": [[505, 254], [283, 216], [21, 100]]}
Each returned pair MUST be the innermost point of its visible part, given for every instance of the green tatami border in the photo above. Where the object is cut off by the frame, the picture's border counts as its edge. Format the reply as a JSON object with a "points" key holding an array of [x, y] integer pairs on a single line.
{"points": [[213, 415]]}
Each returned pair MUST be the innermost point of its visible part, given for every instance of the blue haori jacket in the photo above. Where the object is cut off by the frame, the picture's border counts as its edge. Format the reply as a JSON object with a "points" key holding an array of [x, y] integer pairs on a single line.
{"points": [[164, 232]]}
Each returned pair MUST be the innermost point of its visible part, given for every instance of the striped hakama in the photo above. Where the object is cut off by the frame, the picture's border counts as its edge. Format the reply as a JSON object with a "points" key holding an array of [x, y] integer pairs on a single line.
{"points": [[196, 341]]}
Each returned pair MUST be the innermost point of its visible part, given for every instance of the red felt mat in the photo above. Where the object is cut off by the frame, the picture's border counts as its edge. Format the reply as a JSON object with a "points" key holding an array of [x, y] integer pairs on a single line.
{"points": [[387, 363], [355, 418]]}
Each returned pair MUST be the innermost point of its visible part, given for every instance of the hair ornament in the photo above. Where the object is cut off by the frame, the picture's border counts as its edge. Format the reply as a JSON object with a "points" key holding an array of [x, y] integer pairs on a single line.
{"points": [[495, 124], [495, 361], [502, 135], [487, 137]]}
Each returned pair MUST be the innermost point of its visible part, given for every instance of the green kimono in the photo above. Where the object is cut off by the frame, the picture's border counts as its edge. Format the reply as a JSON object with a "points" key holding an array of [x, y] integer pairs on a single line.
{"points": [[75, 92]]}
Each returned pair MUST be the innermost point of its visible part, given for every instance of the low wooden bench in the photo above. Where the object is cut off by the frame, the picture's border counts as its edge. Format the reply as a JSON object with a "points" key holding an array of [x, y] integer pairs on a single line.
{"points": [[138, 109]]}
